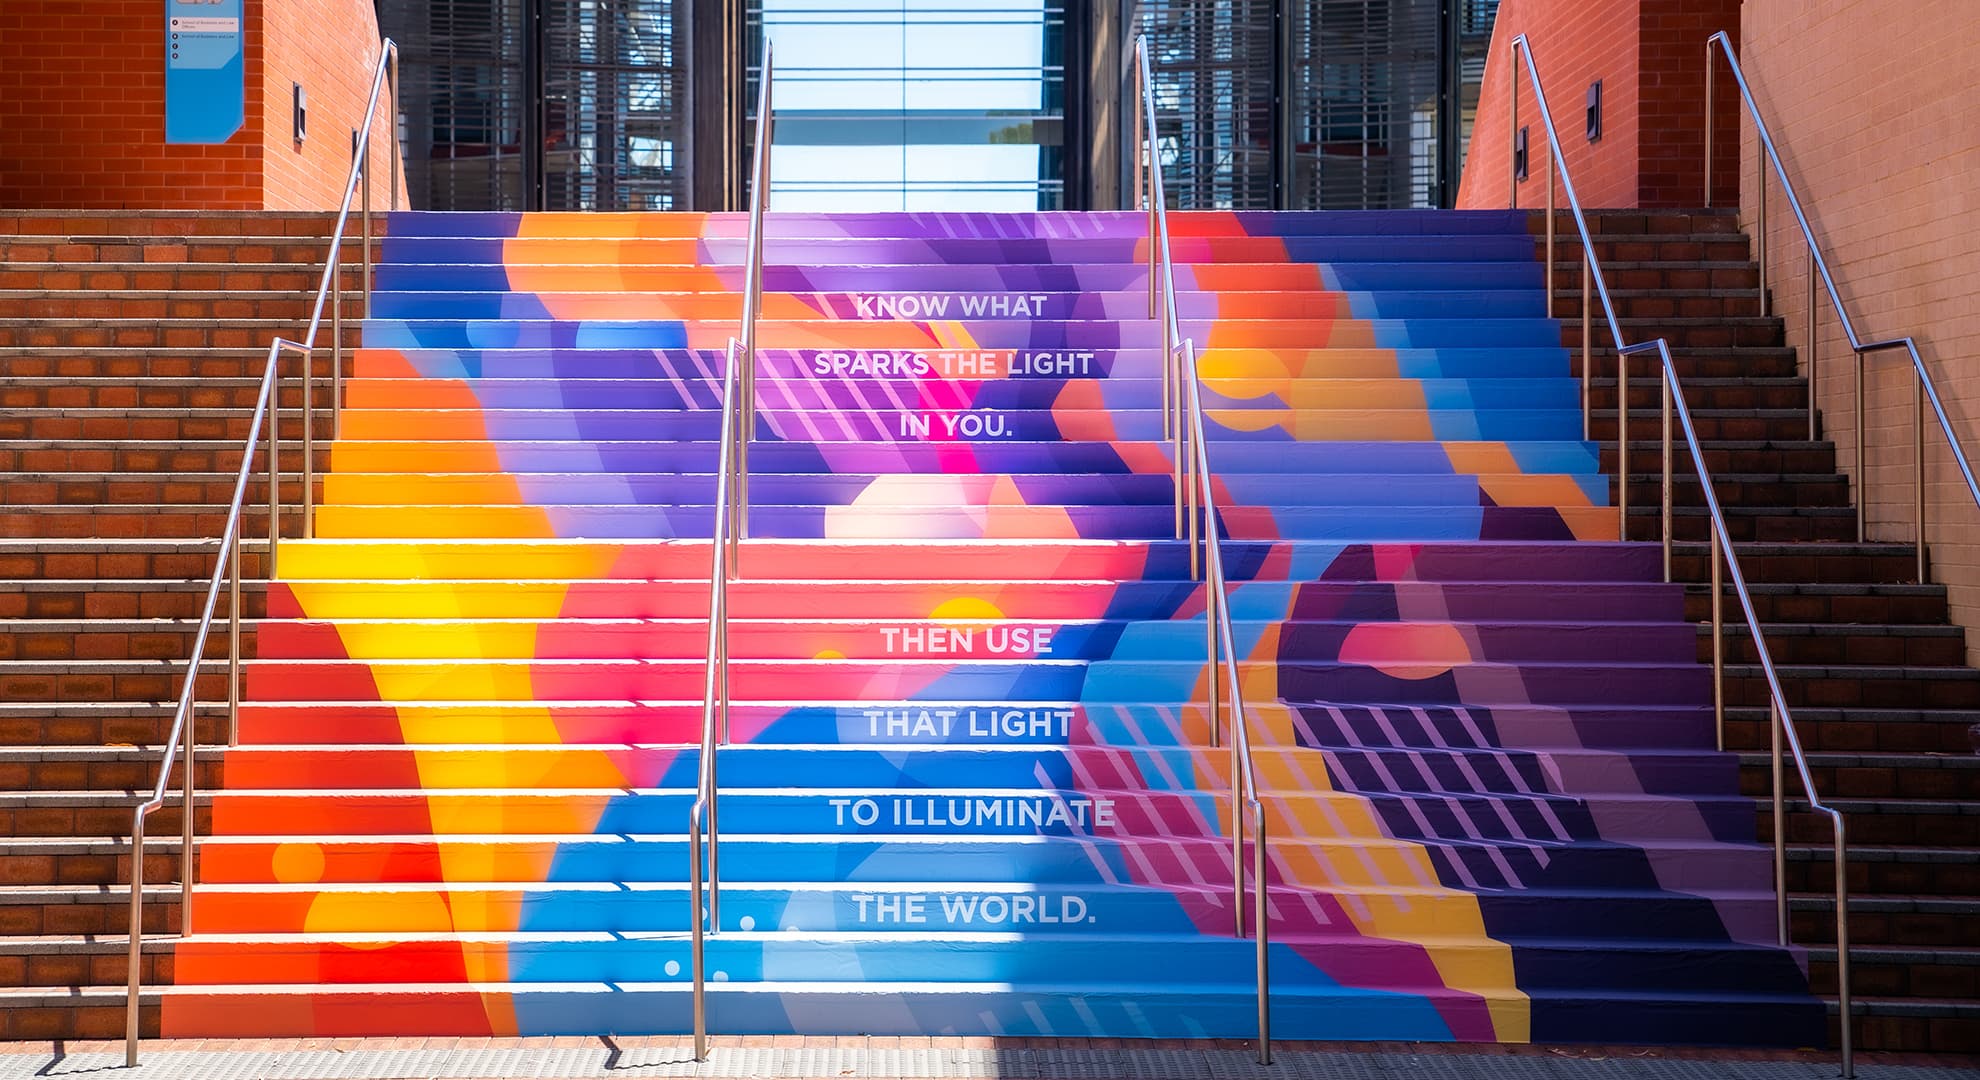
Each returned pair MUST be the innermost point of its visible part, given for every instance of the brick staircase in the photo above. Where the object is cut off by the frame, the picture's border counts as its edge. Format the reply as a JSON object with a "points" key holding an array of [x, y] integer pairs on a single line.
{"points": [[130, 349], [1873, 668]]}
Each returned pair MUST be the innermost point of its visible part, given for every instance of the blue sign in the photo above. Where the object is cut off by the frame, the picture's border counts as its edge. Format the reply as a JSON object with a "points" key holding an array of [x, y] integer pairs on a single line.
{"points": [[205, 71]]}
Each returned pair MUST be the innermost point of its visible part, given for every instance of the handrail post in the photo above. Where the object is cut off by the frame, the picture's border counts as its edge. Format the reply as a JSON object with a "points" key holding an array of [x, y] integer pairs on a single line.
{"points": [[1665, 383], [1622, 442], [1587, 346], [1862, 477], [1550, 235], [1844, 1002], [392, 83], [1718, 631], [233, 556], [363, 148], [1760, 223], [1512, 127], [136, 958], [274, 393], [1260, 894], [1775, 726], [1814, 340], [1708, 125], [1918, 468]]}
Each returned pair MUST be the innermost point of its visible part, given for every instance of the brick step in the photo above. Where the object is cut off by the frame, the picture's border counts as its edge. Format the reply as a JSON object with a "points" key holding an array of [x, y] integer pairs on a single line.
{"points": [[105, 277], [81, 960], [98, 724], [1721, 456], [87, 860], [1627, 222], [1754, 361], [1682, 248], [1805, 564], [1939, 823], [85, 909], [68, 392], [1888, 920], [101, 248], [163, 489], [96, 768], [1827, 603], [1743, 492], [1760, 522], [1899, 973], [29, 560], [1703, 392], [1830, 643], [48, 362], [114, 639], [53, 303], [1655, 276], [1718, 332], [142, 598], [1856, 730], [1877, 776], [144, 425], [140, 681], [65, 223], [1712, 426], [1658, 303], [1859, 686], [41, 1015], [1880, 869], [94, 813], [1915, 1024], [139, 520], [231, 333], [188, 456]]}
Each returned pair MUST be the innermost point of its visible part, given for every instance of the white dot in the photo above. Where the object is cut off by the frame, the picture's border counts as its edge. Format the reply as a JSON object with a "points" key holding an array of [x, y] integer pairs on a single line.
{"points": [[673, 967], [748, 922], [721, 976]]}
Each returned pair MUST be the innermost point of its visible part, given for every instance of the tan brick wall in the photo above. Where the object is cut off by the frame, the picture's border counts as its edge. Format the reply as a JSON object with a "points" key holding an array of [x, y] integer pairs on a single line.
{"points": [[331, 48], [1872, 104]]}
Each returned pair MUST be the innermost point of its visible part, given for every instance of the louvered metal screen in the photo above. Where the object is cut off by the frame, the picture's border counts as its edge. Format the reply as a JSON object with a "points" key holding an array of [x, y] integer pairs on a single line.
{"points": [[608, 133]]}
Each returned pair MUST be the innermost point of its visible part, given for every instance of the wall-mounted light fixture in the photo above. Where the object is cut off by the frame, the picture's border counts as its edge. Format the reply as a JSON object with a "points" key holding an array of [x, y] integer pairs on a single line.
{"points": [[299, 112], [1595, 110], [1519, 155]]}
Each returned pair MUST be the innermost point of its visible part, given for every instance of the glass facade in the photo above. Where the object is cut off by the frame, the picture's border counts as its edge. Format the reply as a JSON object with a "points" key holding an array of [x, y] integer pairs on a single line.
{"points": [[932, 104], [916, 104]]}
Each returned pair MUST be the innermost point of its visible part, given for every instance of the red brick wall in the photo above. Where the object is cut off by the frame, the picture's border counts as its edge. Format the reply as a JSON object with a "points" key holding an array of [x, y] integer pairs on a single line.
{"points": [[331, 48], [1574, 43], [1672, 122], [82, 113], [82, 109], [1650, 57]]}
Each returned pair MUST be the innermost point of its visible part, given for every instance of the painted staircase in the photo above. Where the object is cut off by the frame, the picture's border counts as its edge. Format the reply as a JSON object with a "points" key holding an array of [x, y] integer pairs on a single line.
{"points": [[970, 792]]}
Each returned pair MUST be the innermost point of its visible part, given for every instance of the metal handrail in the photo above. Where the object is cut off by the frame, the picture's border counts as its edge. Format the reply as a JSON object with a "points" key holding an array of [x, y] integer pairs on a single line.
{"points": [[1196, 515], [1162, 295], [1780, 717], [228, 559], [725, 564], [1820, 266], [1223, 660]]}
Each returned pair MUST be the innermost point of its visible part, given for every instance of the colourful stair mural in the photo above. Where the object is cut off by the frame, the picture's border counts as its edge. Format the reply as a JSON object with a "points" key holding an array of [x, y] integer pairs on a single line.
{"points": [[971, 789]]}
